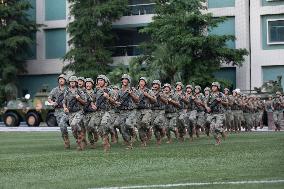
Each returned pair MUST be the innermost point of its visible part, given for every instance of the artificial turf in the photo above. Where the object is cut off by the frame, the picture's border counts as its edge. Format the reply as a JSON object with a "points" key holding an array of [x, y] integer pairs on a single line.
{"points": [[38, 160]]}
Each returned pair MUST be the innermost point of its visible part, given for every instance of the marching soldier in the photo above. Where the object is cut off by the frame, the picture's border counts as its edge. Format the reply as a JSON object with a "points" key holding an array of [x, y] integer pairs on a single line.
{"points": [[229, 117], [278, 107], [143, 114], [89, 110], [171, 110], [236, 110], [215, 106], [73, 102], [190, 122], [158, 111], [182, 121], [101, 119], [200, 108], [55, 98], [126, 98]]}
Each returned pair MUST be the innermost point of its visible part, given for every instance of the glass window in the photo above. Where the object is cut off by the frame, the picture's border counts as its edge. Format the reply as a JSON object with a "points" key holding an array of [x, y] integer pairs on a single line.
{"points": [[55, 43], [275, 31]]}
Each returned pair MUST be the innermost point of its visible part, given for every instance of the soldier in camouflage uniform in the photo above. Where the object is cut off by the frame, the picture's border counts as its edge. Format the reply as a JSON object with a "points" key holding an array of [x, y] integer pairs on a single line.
{"points": [[247, 107], [200, 108], [81, 86], [126, 119], [182, 121], [236, 110], [190, 121], [114, 113], [207, 92], [143, 114], [215, 106], [260, 109], [229, 117], [73, 102], [101, 120], [278, 107], [171, 111], [55, 98], [158, 112], [89, 110]]}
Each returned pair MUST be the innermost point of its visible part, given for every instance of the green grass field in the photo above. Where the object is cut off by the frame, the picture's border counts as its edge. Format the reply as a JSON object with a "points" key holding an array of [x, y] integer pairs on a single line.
{"points": [[38, 160]]}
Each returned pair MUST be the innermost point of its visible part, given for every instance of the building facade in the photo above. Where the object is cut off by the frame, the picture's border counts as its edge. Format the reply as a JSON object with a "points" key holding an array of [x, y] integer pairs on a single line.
{"points": [[257, 24]]}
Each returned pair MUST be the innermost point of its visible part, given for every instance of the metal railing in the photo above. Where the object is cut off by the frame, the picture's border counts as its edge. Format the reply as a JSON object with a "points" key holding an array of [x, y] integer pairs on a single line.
{"points": [[140, 9], [126, 50]]}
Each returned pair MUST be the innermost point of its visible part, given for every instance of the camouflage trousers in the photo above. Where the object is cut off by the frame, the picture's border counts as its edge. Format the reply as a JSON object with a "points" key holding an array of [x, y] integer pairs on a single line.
{"points": [[126, 120], [237, 122], [106, 126], [216, 123], [192, 122], [248, 121], [183, 122], [158, 123], [93, 121], [229, 120], [62, 120], [75, 120], [277, 117], [171, 124], [143, 117]]}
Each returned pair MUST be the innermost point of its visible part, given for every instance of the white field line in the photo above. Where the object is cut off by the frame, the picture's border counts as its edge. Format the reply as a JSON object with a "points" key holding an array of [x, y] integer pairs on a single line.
{"points": [[194, 184]]}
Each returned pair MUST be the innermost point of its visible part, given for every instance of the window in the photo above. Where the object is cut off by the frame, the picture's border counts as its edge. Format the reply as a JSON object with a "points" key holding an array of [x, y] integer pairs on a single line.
{"points": [[55, 43], [55, 10], [275, 31]]}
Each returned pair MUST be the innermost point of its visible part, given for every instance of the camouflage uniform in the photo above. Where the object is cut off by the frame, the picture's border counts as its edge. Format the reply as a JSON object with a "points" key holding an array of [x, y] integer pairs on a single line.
{"points": [[158, 114], [89, 112], [75, 114], [248, 111], [144, 114], [126, 119], [237, 112], [216, 117], [57, 95], [229, 117], [171, 116], [278, 112], [200, 115]]}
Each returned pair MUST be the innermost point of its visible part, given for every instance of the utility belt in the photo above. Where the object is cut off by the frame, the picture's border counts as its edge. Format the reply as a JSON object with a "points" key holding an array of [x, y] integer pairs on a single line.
{"points": [[146, 106], [126, 108]]}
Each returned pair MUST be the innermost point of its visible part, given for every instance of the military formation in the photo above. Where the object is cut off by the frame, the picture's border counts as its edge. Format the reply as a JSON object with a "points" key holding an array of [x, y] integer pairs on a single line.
{"points": [[94, 110]]}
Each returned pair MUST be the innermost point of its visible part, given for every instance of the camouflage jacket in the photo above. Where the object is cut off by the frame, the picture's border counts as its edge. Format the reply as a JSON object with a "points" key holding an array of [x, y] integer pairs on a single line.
{"points": [[70, 100], [102, 102], [159, 105], [215, 106], [57, 95], [144, 102], [125, 100], [90, 98], [198, 101], [170, 108]]}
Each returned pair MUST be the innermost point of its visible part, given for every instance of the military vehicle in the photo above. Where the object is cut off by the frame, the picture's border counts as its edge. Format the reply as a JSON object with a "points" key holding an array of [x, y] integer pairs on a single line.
{"points": [[32, 111], [269, 87]]}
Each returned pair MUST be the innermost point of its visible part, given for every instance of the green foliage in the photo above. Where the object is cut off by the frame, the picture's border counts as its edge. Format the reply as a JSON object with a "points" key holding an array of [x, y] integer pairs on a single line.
{"points": [[16, 37], [38, 160], [91, 35], [180, 47]]}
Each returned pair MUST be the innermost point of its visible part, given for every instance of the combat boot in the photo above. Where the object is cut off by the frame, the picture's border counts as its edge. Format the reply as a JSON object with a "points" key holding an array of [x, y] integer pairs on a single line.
{"points": [[106, 144], [66, 142]]}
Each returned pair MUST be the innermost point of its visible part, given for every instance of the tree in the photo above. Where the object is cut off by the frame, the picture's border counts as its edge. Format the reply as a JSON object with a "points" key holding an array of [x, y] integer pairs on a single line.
{"points": [[16, 38], [180, 47], [91, 35]]}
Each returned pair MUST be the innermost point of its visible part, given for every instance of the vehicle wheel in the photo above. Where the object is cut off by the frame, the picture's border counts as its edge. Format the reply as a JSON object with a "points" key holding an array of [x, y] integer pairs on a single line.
{"points": [[32, 119], [11, 119], [51, 120]]}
